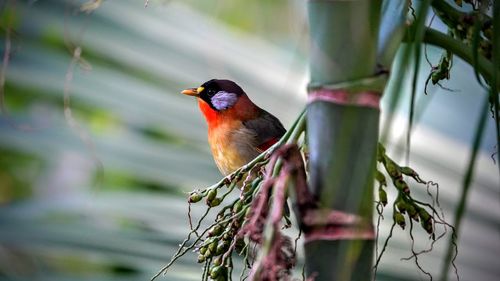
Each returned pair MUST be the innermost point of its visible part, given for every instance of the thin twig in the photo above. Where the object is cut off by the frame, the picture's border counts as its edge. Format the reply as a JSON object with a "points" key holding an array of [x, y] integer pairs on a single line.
{"points": [[380, 209], [386, 242], [414, 254], [179, 252], [296, 241]]}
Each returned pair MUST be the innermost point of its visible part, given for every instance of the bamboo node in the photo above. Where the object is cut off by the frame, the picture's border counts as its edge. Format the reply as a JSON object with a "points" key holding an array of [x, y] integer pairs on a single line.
{"points": [[365, 92], [343, 97], [336, 225]]}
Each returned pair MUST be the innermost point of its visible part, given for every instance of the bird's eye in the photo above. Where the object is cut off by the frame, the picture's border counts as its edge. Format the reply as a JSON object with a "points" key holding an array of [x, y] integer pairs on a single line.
{"points": [[211, 92]]}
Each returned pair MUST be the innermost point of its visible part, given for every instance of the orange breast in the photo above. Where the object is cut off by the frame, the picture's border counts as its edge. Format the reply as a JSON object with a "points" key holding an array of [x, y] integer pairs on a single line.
{"points": [[231, 143], [232, 146]]}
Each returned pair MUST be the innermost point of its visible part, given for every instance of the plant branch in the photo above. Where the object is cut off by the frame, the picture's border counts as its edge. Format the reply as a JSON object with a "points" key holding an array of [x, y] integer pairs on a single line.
{"points": [[439, 39], [450, 15]]}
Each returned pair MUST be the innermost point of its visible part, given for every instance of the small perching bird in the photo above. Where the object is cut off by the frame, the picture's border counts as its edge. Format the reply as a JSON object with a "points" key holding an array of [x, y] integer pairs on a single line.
{"points": [[238, 130]]}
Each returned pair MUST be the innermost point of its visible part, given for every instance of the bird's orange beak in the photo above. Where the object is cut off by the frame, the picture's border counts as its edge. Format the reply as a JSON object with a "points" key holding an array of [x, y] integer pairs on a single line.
{"points": [[193, 91]]}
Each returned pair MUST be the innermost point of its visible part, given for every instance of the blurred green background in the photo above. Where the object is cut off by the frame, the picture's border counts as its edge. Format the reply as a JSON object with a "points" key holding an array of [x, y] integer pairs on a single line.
{"points": [[107, 201]]}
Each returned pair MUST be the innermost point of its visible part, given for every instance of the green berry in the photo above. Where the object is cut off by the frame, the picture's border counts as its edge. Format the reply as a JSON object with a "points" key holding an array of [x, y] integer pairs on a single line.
{"points": [[212, 194], [203, 250], [221, 248], [195, 197], [212, 247], [400, 219], [412, 212], [409, 171], [401, 206], [215, 202], [424, 215], [217, 261], [215, 230], [382, 196], [380, 178], [216, 271], [401, 185], [392, 168], [237, 207]]}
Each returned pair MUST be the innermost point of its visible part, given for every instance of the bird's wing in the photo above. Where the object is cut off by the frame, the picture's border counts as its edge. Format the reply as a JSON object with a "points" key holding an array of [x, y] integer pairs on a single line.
{"points": [[268, 130]]}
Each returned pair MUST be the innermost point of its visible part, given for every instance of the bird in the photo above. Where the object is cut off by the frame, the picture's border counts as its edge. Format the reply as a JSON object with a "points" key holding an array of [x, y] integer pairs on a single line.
{"points": [[238, 129]]}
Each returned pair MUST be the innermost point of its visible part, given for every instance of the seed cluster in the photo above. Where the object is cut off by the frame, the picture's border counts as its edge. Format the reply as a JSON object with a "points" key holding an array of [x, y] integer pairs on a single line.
{"points": [[405, 204], [216, 248], [406, 209]]}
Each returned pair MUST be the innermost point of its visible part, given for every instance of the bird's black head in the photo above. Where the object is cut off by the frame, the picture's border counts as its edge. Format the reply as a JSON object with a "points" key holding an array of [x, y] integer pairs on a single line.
{"points": [[220, 94]]}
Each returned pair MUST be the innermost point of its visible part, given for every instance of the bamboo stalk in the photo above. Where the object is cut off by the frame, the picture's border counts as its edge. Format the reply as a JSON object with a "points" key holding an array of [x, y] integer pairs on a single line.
{"points": [[342, 138]]}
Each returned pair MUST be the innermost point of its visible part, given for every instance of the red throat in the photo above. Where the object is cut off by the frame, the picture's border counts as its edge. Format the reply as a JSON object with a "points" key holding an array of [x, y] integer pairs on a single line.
{"points": [[209, 113], [243, 109]]}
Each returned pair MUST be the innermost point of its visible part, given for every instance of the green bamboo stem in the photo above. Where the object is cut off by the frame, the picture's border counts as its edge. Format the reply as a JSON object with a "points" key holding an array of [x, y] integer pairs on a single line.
{"points": [[342, 139]]}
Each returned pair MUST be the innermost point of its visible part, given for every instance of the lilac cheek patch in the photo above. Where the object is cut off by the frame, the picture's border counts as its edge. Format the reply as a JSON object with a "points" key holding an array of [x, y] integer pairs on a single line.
{"points": [[224, 100]]}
